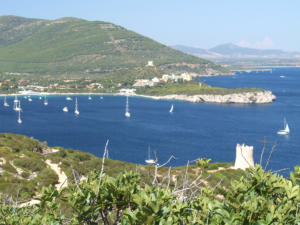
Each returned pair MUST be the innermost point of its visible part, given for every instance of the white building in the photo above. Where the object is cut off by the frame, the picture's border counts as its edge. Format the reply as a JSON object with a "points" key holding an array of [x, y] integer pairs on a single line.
{"points": [[186, 76], [125, 91], [150, 63], [165, 77], [142, 83], [155, 80]]}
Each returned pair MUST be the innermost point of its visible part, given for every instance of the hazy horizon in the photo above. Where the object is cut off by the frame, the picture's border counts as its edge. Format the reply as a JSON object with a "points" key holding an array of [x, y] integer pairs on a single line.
{"points": [[255, 24]]}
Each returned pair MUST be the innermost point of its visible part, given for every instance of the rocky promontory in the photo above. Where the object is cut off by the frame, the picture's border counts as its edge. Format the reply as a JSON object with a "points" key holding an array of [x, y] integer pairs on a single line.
{"points": [[259, 97]]}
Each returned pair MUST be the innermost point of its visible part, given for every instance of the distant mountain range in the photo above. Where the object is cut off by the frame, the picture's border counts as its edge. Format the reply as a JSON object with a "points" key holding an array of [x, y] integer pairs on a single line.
{"points": [[236, 52]]}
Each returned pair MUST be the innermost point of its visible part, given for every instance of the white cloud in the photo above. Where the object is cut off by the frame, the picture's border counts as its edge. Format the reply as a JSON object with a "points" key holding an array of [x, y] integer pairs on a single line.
{"points": [[263, 44]]}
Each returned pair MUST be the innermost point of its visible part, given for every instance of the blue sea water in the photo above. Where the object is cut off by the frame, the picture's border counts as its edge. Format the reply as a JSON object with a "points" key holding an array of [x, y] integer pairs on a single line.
{"points": [[194, 129]]}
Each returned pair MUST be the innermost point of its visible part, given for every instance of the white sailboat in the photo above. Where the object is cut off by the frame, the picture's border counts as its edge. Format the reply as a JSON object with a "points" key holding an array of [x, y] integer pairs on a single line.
{"points": [[90, 97], [76, 108], [171, 109], [45, 101], [17, 105], [16, 102], [68, 98], [65, 109], [286, 129], [150, 160], [5, 102], [19, 118], [127, 113], [29, 99]]}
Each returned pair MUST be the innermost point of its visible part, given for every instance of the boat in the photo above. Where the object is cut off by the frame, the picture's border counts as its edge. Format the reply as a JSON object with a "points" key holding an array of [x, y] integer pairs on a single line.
{"points": [[17, 105], [171, 109], [76, 108], [29, 99], [16, 102], [19, 118], [150, 160], [101, 97], [40, 98], [68, 98], [282, 76], [286, 129], [45, 101], [5, 102], [90, 98], [127, 113], [65, 109]]}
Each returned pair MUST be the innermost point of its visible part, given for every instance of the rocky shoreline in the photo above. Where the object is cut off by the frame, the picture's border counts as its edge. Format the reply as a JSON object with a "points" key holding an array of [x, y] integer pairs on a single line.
{"points": [[260, 97]]}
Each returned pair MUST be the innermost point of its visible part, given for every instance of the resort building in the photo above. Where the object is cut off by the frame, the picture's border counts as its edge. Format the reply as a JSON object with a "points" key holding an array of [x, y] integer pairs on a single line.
{"points": [[186, 76], [125, 91]]}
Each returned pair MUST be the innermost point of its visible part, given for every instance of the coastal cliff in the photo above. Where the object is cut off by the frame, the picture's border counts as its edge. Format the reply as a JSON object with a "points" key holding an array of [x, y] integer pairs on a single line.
{"points": [[259, 97]]}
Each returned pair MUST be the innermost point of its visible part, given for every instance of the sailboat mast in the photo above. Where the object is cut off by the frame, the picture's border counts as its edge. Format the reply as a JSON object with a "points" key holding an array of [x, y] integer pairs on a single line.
{"points": [[76, 105], [127, 106], [148, 151]]}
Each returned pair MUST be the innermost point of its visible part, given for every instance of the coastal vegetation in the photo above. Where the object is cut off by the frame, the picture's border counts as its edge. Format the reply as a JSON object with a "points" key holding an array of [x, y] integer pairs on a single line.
{"points": [[23, 165], [104, 191], [190, 88]]}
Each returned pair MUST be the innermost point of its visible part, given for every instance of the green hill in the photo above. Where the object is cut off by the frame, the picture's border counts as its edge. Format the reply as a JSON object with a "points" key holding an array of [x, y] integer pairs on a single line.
{"points": [[76, 46], [23, 167], [125, 193]]}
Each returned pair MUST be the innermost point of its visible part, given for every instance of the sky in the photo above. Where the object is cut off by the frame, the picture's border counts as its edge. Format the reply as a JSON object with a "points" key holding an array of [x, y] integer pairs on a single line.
{"points": [[264, 24]]}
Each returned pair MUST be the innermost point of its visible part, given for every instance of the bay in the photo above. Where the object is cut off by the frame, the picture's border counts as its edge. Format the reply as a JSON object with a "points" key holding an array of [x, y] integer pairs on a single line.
{"points": [[193, 130]]}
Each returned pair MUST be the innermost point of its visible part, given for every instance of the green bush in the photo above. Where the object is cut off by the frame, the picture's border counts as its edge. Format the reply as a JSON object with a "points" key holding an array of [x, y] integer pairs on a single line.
{"points": [[259, 197], [25, 174], [31, 164], [47, 177]]}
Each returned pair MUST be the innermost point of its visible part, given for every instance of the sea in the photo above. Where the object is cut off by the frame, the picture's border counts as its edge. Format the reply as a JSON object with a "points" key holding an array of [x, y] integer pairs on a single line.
{"points": [[193, 130]]}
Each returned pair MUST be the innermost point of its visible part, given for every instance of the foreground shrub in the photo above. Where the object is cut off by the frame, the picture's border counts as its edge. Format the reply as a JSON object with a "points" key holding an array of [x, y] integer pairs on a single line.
{"points": [[259, 197]]}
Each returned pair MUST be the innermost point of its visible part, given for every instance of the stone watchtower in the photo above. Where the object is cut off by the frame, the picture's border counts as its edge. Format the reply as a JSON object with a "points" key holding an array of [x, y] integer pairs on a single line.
{"points": [[243, 157]]}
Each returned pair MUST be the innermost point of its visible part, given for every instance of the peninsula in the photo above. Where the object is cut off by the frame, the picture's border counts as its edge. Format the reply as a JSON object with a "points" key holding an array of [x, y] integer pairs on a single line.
{"points": [[71, 55]]}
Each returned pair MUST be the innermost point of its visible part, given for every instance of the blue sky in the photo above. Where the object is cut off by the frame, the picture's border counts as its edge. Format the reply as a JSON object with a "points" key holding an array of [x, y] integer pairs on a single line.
{"points": [[198, 23]]}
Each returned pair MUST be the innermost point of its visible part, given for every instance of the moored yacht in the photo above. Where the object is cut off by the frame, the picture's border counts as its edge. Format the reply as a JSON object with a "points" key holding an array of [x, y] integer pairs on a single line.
{"points": [[171, 109], [19, 117], [127, 113], [286, 129], [5, 102], [150, 160], [45, 101], [65, 109], [76, 108]]}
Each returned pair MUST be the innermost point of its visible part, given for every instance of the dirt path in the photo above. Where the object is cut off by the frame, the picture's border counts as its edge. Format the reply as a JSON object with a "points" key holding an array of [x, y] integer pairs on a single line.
{"points": [[220, 169], [62, 182], [62, 178]]}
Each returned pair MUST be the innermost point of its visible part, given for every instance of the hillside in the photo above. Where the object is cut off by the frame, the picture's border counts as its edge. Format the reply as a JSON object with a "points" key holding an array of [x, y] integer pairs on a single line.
{"points": [[80, 47], [24, 164], [108, 192]]}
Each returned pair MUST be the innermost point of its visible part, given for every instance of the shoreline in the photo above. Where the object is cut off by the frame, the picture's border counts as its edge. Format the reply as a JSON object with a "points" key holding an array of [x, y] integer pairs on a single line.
{"points": [[260, 97]]}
